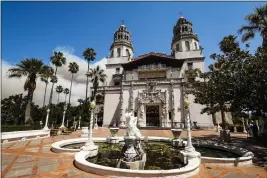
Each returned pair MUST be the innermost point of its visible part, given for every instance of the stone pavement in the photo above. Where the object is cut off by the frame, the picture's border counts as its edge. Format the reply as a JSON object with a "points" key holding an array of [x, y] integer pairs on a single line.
{"points": [[33, 158]]}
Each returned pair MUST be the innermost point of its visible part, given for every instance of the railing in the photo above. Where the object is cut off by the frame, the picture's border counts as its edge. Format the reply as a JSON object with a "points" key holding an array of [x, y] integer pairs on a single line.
{"points": [[117, 77]]}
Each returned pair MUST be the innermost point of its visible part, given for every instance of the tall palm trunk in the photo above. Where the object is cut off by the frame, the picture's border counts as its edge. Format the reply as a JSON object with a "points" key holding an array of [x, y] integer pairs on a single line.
{"points": [[58, 98], [87, 82], [70, 88], [52, 88], [65, 98], [28, 107], [46, 84], [86, 102]]}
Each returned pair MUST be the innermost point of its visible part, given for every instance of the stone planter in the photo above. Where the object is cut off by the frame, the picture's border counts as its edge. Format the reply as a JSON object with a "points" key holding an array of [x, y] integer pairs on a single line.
{"points": [[176, 133], [114, 131]]}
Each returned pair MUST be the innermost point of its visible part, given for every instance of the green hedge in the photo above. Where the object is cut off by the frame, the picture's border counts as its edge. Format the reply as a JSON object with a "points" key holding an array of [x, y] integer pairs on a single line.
{"points": [[11, 128]]}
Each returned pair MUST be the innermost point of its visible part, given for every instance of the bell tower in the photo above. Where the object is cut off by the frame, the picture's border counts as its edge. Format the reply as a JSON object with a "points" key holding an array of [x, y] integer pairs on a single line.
{"points": [[185, 43], [121, 50]]}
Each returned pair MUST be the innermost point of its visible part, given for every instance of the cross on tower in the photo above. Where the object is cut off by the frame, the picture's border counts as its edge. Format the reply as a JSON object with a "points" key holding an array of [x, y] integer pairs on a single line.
{"points": [[181, 15]]}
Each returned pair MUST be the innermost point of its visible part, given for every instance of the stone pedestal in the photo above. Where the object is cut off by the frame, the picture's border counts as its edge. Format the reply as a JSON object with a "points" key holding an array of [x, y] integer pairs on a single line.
{"points": [[177, 142], [225, 136], [136, 165], [91, 148], [190, 155], [134, 156]]}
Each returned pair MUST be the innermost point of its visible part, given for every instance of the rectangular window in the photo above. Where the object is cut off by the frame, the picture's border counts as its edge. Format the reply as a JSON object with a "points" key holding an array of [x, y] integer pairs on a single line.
{"points": [[116, 83], [190, 65], [119, 52], [170, 115], [117, 70]]}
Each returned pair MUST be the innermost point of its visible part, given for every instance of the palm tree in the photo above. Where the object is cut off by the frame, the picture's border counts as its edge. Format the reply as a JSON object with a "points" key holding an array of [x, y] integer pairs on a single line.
{"points": [[73, 68], [97, 75], [89, 55], [29, 68], [46, 73], [66, 92], [257, 22], [57, 60], [228, 44], [59, 89]]}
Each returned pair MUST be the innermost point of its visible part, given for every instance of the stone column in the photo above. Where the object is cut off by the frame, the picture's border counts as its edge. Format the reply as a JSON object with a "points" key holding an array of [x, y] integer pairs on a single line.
{"points": [[46, 120], [141, 113], [122, 119], [244, 127], [131, 98], [79, 127], [89, 145], [96, 126], [189, 147], [63, 119]]}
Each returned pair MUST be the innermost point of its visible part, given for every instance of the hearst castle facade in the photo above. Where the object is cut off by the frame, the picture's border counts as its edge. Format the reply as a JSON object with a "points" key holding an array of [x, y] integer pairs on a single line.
{"points": [[151, 85]]}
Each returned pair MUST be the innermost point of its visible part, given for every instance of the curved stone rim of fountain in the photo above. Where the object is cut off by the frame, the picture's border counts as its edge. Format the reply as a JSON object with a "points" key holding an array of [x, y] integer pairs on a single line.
{"points": [[80, 162], [244, 159]]}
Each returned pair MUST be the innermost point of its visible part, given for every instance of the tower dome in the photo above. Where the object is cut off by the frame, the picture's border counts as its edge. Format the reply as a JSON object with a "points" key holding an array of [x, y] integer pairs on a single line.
{"points": [[185, 43], [121, 49], [122, 37], [183, 29]]}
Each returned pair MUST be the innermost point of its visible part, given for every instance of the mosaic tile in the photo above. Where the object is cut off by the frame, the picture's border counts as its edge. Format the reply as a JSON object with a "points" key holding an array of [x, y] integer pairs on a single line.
{"points": [[26, 158], [43, 162], [232, 175], [3, 167], [20, 172], [84, 176], [34, 150], [72, 172], [47, 168], [213, 172], [23, 165]]}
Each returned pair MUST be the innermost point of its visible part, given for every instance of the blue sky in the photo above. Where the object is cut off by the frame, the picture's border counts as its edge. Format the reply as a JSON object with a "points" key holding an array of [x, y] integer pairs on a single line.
{"points": [[35, 29]]}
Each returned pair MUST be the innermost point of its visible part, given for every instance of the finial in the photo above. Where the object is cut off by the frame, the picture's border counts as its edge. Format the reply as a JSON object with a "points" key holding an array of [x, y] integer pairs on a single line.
{"points": [[122, 22], [181, 14]]}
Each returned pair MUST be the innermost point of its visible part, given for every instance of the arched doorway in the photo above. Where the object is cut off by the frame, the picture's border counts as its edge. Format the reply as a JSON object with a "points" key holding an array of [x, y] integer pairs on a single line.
{"points": [[152, 116]]}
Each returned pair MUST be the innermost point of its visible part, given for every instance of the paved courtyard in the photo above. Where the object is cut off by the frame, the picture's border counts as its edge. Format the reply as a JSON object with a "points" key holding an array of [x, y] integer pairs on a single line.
{"points": [[33, 158]]}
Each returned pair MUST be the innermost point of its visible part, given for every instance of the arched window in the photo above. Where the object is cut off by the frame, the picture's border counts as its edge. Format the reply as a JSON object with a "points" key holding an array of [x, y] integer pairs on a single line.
{"points": [[195, 45], [112, 53], [177, 47], [186, 29], [118, 52], [187, 46], [127, 37]]}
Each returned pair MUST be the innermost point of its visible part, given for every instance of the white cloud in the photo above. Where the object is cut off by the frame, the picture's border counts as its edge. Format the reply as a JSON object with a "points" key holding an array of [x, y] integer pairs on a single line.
{"points": [[15, 86]]}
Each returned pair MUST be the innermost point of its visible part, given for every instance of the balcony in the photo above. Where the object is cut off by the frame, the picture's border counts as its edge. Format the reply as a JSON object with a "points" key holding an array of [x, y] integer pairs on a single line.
{"points": [[117, 77]]}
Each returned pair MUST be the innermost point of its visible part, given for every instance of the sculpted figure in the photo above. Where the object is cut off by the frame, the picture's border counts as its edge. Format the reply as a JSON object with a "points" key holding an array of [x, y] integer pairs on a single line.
{"points": [[131, 124]]}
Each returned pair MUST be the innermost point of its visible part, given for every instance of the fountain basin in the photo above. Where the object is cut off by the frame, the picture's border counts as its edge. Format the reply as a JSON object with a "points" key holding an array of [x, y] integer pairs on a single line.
{"points": [[190, 169], [245, 156]]}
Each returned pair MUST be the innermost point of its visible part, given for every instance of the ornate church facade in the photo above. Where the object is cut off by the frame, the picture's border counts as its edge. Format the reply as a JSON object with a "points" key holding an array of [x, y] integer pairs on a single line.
{"points": [[152, 85]]}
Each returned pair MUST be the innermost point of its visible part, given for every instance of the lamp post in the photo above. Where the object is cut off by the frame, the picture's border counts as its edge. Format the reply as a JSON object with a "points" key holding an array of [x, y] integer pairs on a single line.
{"points": [[46, 120], [89, 145], [63, 119]]}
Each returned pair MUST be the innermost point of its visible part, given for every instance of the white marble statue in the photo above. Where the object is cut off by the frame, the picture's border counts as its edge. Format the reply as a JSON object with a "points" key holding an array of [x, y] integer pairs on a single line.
{"points": [[131, 125]]}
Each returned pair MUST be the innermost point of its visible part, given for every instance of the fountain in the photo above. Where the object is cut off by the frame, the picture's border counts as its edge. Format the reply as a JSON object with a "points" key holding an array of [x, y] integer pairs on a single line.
{"points": [[134, 155]]}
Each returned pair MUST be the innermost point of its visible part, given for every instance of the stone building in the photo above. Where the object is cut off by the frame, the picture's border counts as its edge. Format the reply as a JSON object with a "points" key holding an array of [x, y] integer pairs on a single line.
{"points": [[151, 85]]}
